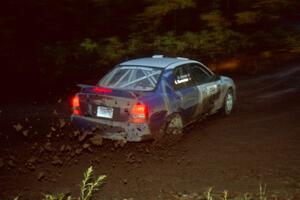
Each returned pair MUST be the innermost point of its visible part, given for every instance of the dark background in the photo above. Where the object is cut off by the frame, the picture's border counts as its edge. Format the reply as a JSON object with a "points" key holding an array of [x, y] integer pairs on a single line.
{"points": [[47, 47]]}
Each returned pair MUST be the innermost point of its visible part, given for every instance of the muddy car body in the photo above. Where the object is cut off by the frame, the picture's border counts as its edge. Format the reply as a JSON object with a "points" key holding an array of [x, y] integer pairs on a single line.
{"points": [[142, 97]]}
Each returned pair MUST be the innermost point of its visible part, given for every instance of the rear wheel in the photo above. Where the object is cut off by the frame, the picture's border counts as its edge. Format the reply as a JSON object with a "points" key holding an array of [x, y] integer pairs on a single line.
{"points": [[228, 102], [171, 132], [175, 126]]}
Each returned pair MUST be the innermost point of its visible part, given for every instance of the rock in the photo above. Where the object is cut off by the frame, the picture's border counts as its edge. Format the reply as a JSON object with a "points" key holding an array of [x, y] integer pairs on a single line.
{"points": [[55, 112], [1, 163], [53, 129], [85, 146], [25, 133], [78, 151], [68, 148], [119, 143], [49, 135], [62, 148], [48, 146], [18, 127], [82, 136], [147, 150], [59, 101], [30, 164], [32, 160], [76, 133], [41, 175], [11, 163], [56, 161], [96, 140], [125, 181], [41, 150], [62, 123], [130, 158]]}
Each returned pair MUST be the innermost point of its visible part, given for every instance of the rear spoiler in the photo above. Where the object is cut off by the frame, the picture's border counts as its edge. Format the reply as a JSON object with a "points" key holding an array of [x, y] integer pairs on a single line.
{"points": [[85, 86], [92, 87]]}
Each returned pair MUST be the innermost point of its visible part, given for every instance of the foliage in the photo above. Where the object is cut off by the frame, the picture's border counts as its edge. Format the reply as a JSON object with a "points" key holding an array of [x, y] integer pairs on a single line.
{"points": [[89, 45], [215, 20], [56, 197], [51, 40], [88, 186], [247, 17], [160, 8], [209, 194]]}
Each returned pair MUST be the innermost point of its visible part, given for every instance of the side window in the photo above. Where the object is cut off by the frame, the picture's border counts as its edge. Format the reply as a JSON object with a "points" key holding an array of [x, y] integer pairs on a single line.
{"points": [[182, 77], [199, 74]]}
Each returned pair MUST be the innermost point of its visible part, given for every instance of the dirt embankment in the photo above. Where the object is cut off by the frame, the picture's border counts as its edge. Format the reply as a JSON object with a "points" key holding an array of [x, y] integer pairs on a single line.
{"points": [[258, 143]]}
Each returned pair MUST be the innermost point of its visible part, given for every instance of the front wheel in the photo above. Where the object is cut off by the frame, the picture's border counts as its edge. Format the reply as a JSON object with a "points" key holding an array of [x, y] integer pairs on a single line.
{"points": [[228, 102]]}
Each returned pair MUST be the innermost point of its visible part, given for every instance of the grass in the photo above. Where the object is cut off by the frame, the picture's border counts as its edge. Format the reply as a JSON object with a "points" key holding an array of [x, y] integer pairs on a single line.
{"points": [[87, 187], [209, 194], [90, 184]]}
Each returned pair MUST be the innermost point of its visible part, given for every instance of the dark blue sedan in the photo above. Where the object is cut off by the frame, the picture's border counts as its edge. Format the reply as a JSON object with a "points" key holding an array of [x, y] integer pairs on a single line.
{"points": [[143, 97]]}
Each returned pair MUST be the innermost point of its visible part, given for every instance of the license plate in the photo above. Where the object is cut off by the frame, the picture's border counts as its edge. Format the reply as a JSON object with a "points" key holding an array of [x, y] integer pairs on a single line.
{"points": [[104, 112]]}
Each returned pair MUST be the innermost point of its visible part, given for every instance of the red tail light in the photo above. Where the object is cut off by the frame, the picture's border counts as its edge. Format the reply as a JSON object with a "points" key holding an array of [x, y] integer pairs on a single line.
{"points": [[103, 90], [139, 113], [76, 105]]}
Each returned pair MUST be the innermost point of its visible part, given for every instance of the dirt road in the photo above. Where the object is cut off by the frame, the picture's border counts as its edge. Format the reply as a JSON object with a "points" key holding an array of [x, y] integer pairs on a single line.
{"points": [[258, 143]]}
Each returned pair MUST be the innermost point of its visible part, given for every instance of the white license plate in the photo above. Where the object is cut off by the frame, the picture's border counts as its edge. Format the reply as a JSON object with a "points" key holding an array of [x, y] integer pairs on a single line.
{"points": [[104, 112]]}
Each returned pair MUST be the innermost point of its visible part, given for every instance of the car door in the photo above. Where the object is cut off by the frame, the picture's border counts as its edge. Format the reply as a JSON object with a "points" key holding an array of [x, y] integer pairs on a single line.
{"points": [[208, 85], [186, 92]]}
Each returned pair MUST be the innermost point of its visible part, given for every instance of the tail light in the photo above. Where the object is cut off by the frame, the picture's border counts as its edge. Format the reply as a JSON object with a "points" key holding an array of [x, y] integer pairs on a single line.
{"points": [[139, 113], [76, 105]]}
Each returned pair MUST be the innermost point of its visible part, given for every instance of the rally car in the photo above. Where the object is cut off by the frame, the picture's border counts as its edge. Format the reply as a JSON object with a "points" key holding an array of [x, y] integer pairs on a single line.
{"points": [[139, 98]]}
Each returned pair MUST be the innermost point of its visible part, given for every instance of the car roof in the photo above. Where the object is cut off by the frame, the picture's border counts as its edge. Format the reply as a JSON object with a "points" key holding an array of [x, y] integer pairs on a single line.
{"points": [[159, 61]]}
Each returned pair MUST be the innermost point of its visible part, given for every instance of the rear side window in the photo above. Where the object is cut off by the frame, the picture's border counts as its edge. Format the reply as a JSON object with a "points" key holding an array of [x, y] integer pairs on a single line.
{"points": [[132, 78]]}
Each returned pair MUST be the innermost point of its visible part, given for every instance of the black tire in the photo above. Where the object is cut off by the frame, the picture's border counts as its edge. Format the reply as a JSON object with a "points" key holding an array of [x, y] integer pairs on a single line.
{"points": [[229, 102], [171, 132]]}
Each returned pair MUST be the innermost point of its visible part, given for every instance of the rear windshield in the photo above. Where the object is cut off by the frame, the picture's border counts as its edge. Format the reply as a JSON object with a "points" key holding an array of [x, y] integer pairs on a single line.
{"points": [[132, 78]]}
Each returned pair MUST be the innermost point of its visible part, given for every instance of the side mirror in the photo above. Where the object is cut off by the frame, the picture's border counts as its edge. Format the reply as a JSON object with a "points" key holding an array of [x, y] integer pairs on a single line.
{"points": [[216, 77]]}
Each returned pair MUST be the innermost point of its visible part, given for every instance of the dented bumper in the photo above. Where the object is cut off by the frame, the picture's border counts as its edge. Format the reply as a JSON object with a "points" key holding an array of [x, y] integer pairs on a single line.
{"points": [[114, 130]]}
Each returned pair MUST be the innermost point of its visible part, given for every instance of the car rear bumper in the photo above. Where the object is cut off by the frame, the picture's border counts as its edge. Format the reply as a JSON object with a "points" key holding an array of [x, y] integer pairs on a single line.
{"points": [[133, 132]]}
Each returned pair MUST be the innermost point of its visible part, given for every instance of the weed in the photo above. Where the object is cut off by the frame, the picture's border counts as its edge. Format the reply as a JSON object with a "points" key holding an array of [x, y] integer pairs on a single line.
{"points": [[87, 187]]}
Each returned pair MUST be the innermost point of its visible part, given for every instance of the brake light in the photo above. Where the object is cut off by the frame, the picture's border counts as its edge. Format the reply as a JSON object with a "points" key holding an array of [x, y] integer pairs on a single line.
{"points": [[139, 113], [103, 90], [76, 105]]}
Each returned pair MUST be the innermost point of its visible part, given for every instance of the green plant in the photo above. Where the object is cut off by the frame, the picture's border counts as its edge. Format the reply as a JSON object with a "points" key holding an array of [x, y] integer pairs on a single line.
{"points": [[262, 192], [56, 197], [225, 195], [88, 186], [208, 194]]}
